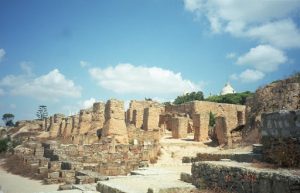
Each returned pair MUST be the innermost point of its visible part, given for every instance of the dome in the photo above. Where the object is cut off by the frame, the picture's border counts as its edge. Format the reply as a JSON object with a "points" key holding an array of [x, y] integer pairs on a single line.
{"points": [[227, 89]]}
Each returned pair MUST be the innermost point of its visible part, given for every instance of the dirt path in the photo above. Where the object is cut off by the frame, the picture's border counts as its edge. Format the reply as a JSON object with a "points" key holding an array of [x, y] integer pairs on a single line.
{"points": [[11, 183]]}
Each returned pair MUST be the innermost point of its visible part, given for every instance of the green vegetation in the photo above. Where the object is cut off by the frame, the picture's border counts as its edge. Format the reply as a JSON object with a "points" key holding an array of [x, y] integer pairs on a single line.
{"points": [[212, 119], [4, 145], [189, 97], [236, 98], [8, 119], [42, 112]]}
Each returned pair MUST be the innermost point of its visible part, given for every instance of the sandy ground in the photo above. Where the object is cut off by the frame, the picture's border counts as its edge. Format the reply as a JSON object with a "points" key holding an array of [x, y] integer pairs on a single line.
{"points": [[11, 183]]}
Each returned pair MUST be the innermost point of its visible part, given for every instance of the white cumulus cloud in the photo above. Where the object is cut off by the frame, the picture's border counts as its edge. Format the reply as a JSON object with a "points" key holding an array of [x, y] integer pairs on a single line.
{"points": [[2, 54], [264, 58], [88, 103], [1, 92], [248, 76], [127, 78], [266, 21], [51, 86]]}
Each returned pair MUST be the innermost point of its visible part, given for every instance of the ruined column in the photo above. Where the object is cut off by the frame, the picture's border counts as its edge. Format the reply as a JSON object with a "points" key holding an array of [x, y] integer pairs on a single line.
{"points": [[200, 125], [221, 130], [115, 121], [68, 127], [55, 124], [137, 118], [98, 118], [75, 124], [179, 127], [85, 119], [151, 118]]}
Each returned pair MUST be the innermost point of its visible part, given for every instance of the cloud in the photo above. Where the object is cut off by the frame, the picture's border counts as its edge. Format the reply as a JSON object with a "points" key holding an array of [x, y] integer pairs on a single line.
{"points": [[26, 67], [127, 78], [248, 76], [231, 55], [12, 106], [264, 58], [282, 34], [51, 86], [88, 103], [2, 54], [84, 64], [266, 21]]}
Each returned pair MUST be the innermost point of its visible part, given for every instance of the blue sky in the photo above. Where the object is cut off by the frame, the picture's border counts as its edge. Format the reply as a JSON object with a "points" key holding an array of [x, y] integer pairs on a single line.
{"points": [[67, 54]]}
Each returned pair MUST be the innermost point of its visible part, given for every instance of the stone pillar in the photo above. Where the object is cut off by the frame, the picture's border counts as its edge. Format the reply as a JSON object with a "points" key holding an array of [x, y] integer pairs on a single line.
{"points": [[68, 127], [179, 127], [75, 124], [137, 118], [200, 125], [151, 118], [85, 119], [221, 130], [55, 124], [98, 118], [115, 121]]}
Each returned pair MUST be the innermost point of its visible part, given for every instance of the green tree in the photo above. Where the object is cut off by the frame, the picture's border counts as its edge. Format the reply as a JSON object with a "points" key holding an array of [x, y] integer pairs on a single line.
{"points": [[42, 112], [8, 119], [189, 97], [212, 119], [235, 98]]}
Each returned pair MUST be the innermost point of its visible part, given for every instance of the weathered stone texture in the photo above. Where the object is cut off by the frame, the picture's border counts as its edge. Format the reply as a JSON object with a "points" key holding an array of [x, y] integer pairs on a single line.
{"points": [[235, 177], [115, 121], [281, 138], [200, 124], [279, 95], [98, 118], [85, 119], [151, 118], [55, 125], [135, 113], [179, 127]]}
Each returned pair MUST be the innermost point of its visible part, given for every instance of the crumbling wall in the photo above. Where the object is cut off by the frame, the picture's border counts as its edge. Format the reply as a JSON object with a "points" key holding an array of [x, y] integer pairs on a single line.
{"points": [[55, 125], [115, 121], [279, 95], [135, 113], [200, 125], [281, 137], [151, 118], [85, 119], [98, 118], [179, 127]]}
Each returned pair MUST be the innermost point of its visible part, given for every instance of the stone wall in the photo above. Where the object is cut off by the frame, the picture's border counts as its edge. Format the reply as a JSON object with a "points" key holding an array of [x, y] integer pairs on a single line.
{"points": [[279, 95], [85, 119], [281, 137], [179, 127], [115, 121], [242, 178], [135, 113], [233, 116], [151, 118], [55, 125]]}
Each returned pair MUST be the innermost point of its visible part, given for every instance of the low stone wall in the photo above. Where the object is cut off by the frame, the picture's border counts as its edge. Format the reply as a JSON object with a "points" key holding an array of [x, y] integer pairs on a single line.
{"points": [[281, 138], [240, 157], [235, 177]]}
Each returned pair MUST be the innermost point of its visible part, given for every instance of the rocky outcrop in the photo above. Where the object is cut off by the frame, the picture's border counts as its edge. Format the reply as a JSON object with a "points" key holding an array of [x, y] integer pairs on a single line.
{"points": [[279, 95]]}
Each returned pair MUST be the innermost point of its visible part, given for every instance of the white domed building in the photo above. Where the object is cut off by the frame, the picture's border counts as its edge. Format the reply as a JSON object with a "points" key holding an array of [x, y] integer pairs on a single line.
{"points": [[227, 89]]}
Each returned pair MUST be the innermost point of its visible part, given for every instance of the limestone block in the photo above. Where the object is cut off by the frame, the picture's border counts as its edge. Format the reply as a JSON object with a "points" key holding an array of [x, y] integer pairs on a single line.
{"points": [[179, 127], [115, 122], [151, 118], [200, 125], [85, 118]]}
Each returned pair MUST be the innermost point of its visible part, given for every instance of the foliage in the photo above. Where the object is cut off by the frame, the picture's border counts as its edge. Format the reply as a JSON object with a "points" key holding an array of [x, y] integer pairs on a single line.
{"points": [[189, 97], [42, 112], [4, 144], [8, 119], [167, 103], [235, 98], [212, 119]]}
